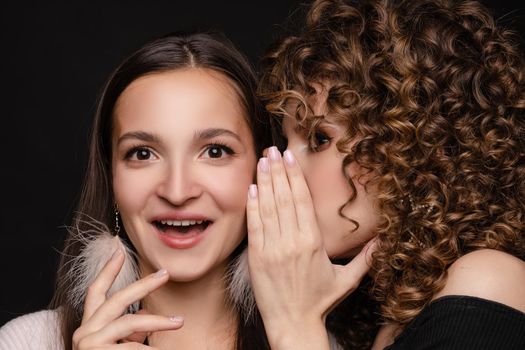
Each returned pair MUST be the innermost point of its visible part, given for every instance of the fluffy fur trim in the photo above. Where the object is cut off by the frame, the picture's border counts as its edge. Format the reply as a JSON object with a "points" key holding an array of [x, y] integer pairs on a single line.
{"points": [[98, 247], [240, 287]]}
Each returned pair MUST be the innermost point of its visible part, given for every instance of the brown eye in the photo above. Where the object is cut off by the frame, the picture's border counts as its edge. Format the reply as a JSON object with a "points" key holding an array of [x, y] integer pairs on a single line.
{"points": [[319, 141], [217, 151], [140, 154], [143, 154]]}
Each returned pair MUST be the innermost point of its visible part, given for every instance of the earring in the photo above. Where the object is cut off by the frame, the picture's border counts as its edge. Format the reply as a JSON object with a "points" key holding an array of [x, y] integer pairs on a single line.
{"points": [[117, 226], [98, 247], [412, 206]]}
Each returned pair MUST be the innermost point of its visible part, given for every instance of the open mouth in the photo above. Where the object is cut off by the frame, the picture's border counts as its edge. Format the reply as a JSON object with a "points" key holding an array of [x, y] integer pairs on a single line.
{"points": [[183, 227]]}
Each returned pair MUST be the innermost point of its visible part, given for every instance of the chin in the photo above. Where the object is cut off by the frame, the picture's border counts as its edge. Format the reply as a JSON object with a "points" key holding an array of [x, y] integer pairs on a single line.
{"points": [[191, 270], [342, 254]]}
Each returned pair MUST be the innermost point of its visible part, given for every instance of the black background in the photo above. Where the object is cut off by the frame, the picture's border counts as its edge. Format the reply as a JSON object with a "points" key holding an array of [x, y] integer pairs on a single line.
{"points": [[54, 58]]}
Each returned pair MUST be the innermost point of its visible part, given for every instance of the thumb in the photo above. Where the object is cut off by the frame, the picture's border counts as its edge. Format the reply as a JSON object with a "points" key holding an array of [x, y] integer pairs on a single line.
{"points": [[351, 274]]}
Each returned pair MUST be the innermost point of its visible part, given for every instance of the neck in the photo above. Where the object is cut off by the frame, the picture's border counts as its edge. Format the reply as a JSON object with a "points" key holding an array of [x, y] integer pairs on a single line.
{"points": [[209, 320]]}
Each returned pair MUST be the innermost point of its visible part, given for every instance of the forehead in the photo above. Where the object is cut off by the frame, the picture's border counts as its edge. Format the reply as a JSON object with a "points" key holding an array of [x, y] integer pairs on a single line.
{"points": [[315, 102], [184, 96]]}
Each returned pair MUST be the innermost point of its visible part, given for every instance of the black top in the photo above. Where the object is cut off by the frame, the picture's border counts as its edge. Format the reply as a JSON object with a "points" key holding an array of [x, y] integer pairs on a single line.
{"points": [[464, 322]]}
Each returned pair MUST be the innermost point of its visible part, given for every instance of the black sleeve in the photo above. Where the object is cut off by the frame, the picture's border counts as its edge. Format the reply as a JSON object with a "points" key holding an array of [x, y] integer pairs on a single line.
{"points": [[463, 322]]}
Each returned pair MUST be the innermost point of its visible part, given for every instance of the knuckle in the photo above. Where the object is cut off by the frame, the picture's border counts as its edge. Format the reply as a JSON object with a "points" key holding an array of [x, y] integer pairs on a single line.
{"points": [[283, 200], [253, 226], [93, 289], [287, 253], [313, 243], [128, 318], [77, 336], [268, 211], [302, 199], [82, 343]]}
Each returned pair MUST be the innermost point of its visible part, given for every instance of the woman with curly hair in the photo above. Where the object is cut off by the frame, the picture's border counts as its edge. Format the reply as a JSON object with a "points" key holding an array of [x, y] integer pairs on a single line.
{"points": [[407, 118]]}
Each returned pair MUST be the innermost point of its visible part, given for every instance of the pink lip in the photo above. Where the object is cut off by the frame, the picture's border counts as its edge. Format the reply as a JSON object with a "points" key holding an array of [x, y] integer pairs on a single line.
{"points": [[179, 216], [181, 240]]}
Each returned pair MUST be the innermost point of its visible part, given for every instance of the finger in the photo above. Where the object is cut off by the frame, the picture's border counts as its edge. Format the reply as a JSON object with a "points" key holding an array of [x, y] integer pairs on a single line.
{"points": [[115, 306], [284, 201], [129, 324], [352, 273], [267, 209], [138, 337], [304, 209], [96, 294], [253, 219]]}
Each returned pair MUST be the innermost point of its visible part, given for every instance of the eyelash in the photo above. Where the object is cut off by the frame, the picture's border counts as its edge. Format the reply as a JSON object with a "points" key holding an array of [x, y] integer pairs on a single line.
{"points": [[222, 146], [134, 150], [313, 143]]}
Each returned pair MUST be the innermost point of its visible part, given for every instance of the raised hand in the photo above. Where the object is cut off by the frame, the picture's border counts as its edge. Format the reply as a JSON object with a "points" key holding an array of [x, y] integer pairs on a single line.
{"points": [[104, 325], [294, 281]]}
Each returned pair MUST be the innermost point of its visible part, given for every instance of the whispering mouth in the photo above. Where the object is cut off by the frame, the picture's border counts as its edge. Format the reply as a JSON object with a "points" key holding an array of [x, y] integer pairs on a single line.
{"points": [[182, 226]]}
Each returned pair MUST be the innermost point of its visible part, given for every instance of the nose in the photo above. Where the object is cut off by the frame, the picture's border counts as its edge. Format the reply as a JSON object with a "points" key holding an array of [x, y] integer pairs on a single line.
{"points": [[179, 183]]}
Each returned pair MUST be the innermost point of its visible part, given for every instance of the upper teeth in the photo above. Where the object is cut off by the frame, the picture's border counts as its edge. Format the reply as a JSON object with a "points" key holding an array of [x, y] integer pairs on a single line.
{"points": [[181, 222]]}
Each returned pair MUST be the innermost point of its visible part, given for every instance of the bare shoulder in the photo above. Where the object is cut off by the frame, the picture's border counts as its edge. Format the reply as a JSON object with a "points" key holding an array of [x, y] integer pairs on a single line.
{"points": [[488, 274]]}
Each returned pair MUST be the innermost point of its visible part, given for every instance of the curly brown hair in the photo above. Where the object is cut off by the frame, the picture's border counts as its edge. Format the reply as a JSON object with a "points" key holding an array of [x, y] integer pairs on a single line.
{"points": [[433, 91]]}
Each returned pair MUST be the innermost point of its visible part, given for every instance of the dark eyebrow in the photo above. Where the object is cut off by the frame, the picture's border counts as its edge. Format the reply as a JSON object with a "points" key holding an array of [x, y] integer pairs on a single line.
{"points": [[214, 132], [205, 134], [138, 135]]}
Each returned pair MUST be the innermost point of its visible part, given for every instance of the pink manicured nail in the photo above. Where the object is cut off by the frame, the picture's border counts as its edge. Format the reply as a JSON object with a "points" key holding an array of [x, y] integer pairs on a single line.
{"points": [[264, 165], [160, 273], [288, 157], [176, 319], [252, 191], [116, 253], [274, 153]]}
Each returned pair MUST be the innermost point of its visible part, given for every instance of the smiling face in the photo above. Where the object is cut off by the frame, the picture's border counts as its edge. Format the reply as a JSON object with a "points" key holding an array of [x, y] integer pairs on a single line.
{"points": [[183, 158], [321, 163]]}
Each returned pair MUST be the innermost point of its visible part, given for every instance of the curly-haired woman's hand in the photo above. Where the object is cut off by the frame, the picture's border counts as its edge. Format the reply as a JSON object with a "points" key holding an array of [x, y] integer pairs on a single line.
{"points": [[104, 324], [294, 282]]}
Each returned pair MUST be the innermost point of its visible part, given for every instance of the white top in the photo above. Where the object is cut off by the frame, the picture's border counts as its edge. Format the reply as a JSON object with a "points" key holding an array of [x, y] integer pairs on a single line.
{"points": [[36, 331], [41, 331]]}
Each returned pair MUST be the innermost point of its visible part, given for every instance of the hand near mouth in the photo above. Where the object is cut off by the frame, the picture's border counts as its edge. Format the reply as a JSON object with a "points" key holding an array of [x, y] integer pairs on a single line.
{"points": [[103, 323], [294, 281]]}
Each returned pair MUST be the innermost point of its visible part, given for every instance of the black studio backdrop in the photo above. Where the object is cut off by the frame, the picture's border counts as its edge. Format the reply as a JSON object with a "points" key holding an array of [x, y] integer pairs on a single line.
{"points": [[54, 58]]}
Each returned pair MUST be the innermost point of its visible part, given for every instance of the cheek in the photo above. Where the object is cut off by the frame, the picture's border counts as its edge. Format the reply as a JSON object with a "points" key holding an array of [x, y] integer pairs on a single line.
{"points": [[131, 188], [328, 186], [229, 185]]}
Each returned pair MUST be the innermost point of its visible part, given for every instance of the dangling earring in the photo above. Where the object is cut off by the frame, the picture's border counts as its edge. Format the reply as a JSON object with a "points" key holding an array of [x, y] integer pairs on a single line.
{"points": [[117, 226], [99, 245]]}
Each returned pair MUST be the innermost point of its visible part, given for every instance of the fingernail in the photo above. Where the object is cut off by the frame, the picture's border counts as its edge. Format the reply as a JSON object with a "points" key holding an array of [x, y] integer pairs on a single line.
{"points": [[252, 191], [176, 319], [160, 273], [288, 157], [264, 165], [116, 253], [274, 153]]}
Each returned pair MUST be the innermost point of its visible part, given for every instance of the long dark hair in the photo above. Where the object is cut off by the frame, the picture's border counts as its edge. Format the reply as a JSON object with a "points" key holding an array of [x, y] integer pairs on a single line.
{"points": [[174, 51]]}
